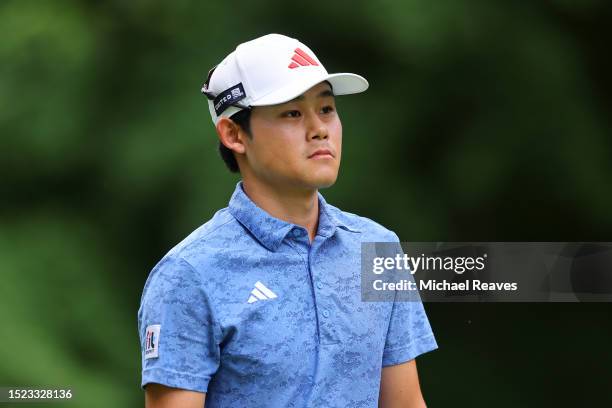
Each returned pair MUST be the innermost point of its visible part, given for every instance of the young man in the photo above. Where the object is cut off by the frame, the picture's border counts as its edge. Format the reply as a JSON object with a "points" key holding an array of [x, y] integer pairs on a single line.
{"points": [[261, 306]]}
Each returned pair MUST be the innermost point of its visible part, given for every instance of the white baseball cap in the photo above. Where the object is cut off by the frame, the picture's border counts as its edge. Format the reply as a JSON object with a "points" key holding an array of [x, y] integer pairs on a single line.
{"points": [[270, 70]]}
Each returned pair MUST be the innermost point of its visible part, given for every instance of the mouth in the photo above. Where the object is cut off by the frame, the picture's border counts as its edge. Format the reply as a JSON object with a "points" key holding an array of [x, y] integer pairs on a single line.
{"points": [[322, 154]]}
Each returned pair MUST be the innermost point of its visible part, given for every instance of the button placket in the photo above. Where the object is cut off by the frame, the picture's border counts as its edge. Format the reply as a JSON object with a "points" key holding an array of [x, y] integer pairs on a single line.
{"points": [[324, 308]]}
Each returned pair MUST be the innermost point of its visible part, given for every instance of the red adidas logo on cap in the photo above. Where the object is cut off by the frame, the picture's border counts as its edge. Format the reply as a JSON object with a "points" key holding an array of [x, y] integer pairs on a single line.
{"points": [[301, 59]]}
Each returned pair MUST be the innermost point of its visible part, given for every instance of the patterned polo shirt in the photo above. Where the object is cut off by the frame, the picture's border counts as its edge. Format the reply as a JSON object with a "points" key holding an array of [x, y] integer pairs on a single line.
{"points": [[251, 312]]}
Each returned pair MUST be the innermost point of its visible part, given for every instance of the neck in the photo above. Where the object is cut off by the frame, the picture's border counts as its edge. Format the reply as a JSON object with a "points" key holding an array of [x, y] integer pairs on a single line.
{"points": [[296, 206]]}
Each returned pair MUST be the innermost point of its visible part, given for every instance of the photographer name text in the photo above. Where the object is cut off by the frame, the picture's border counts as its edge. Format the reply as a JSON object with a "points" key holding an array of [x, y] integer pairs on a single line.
{"points": [[443, 285]]}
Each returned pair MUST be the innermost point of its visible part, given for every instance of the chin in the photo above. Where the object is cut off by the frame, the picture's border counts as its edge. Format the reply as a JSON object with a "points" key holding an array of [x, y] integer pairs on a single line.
{"points": [[324, 182], [316, 178]]}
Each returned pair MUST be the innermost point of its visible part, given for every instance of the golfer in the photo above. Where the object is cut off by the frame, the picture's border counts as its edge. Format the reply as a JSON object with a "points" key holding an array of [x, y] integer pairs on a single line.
{"points": [[261, 306]]}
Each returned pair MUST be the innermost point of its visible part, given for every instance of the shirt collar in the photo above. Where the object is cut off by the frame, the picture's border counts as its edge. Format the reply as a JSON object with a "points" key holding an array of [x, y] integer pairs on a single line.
{"points": [[271, 231]]}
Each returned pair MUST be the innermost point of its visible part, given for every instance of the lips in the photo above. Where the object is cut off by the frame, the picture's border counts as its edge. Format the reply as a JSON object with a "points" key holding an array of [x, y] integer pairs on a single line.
{"points": [[321, 153]]}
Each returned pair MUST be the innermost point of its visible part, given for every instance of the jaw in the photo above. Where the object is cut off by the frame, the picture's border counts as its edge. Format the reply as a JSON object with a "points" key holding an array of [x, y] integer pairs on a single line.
{"points": [[308, 180], [300, 173], [321, 175]]}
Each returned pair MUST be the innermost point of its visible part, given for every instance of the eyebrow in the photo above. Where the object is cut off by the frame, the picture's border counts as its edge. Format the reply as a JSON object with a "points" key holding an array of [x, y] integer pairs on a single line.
{"points": [[322, 94]]}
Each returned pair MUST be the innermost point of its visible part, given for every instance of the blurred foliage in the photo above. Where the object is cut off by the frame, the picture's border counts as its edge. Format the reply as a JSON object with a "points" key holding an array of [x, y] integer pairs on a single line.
{"points": [[485, 120]]}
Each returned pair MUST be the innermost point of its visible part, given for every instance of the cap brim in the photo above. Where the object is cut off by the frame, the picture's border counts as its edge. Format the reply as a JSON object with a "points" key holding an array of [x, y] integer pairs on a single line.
{"points": [[342, 84], [345, 83]]}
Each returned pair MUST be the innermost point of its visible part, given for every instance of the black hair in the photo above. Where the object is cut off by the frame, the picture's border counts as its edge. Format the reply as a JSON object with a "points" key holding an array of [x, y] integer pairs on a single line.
{"points": [[242, 119]]}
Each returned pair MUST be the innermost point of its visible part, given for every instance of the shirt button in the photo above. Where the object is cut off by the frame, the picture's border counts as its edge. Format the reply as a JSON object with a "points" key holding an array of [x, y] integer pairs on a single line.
{"points": [[319, 285], [296, 233], [326, 313]]}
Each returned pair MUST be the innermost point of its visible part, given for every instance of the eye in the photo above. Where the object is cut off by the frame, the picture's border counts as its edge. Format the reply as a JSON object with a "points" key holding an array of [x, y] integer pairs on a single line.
{"points": [[292, 114], [327, 109]]}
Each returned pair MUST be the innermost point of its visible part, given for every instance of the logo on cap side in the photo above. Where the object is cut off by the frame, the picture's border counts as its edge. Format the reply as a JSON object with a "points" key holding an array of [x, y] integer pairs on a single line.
{"points": [[301, 59], [229, 97]]}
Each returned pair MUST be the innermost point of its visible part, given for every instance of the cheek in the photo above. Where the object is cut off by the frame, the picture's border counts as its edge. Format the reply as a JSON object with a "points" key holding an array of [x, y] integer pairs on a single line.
{"points": [[273, 148], [335, 131]]}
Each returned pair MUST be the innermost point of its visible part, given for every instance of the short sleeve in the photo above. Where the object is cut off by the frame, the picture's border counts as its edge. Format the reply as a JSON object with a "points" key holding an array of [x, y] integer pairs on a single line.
{"points": [[409, 334], [179, 337]]}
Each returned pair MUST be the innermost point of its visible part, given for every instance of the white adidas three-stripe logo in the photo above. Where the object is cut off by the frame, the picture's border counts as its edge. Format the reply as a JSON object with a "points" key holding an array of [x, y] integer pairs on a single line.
{"points": [[261, 292]]}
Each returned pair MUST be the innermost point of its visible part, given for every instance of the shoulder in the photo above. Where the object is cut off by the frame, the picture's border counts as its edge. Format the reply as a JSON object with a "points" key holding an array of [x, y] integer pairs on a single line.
{"points": [[220, 230], [201, 247], [370, 229]]}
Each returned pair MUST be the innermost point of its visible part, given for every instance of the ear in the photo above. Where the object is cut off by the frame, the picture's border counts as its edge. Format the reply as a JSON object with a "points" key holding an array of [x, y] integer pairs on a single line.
{"points": [[231, 135]]}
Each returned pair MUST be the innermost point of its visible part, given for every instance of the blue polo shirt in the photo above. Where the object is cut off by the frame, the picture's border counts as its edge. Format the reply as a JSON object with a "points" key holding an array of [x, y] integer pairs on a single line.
{"points": [[249, 311]]}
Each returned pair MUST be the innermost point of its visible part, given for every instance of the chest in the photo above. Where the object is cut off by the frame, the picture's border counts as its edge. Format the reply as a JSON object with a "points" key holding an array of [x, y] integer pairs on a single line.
{"points": [[280, 312]]}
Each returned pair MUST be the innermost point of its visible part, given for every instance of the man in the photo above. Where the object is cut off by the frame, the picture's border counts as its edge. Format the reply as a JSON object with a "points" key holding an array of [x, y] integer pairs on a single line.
{"points": [[261, 306]]}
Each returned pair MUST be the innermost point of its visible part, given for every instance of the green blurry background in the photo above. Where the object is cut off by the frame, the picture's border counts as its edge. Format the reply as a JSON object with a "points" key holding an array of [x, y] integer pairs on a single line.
{"points": [[485, 120]]}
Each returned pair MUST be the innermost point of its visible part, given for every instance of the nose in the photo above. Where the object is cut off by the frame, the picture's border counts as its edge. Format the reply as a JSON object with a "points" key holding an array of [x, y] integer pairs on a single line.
{"points": [[316, 128]]}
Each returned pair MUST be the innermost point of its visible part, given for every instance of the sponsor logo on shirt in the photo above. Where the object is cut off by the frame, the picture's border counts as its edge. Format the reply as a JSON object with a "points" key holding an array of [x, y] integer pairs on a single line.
{"points": [[152, 341], [261, 292]]}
